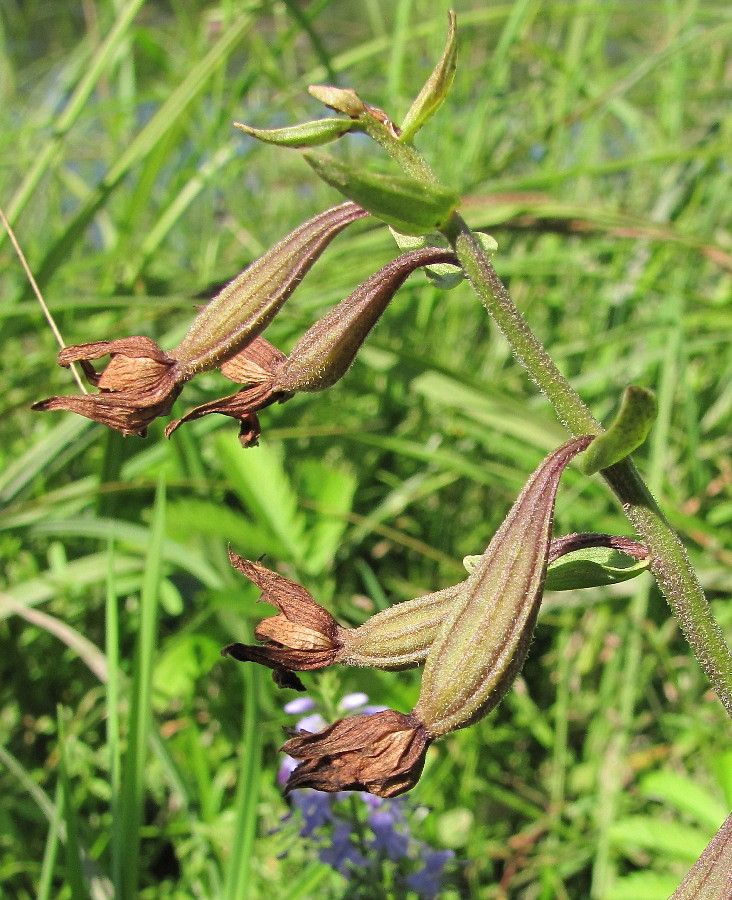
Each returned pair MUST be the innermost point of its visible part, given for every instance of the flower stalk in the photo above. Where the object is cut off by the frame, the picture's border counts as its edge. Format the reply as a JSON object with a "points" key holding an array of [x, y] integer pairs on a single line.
{"points": [[669, 561]]}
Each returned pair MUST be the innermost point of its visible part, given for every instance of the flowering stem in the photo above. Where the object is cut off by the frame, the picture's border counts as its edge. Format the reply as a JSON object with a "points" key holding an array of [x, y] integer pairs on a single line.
{"points": [[669, 562]]}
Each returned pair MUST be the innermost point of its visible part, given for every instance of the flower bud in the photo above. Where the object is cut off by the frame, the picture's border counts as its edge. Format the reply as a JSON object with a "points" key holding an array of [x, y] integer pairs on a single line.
{"points": [[481, 645], [306, 134], [343, 100], [407, 204]]}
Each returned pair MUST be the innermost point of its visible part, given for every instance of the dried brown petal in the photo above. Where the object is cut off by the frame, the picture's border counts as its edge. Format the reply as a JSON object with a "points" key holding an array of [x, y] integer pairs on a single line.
{"points": [[139, 383], [255, 364], [303, 636], [382, 753], [242, 406]]}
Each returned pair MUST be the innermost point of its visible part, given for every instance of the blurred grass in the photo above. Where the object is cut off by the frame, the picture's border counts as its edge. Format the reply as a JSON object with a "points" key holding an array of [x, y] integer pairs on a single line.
{"points": [[592, 140]]}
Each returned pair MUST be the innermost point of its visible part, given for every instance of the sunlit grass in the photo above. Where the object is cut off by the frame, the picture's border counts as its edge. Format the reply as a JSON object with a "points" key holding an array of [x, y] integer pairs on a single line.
{"points": [[592, 141]]}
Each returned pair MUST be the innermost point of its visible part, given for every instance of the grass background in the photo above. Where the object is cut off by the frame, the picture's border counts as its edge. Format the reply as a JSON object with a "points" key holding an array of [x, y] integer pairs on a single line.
{"points": [[592, 140]]}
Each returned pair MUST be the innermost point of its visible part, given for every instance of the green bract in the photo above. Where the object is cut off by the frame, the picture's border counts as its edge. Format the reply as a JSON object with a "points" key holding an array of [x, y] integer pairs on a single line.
{"points": [[435, 89], [307, 134], [627, 431], [409, 205]]}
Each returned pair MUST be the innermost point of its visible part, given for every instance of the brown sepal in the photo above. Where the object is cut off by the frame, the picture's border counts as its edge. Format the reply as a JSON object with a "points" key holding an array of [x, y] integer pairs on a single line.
{"points": [[242, 406]]}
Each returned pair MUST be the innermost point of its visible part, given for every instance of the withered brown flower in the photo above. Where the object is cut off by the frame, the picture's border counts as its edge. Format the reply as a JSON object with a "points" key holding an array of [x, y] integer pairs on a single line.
{"points": [[139, 383], [303, 636], [477, 652], [382, 753], [321, 356]]}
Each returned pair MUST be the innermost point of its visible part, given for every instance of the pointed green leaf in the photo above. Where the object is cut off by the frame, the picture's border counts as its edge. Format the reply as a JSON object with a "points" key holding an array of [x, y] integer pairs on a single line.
{"points": [[306, 134], [405, 203], [592, 567], [435, 89], [627, 431]]}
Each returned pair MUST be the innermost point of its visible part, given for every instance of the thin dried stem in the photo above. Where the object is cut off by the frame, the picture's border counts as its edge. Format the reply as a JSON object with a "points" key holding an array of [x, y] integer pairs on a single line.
{"points": [[39, 296]]}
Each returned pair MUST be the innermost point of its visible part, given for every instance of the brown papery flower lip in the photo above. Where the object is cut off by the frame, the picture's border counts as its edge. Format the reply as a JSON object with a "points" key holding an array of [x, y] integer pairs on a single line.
{"points": [[139, 383], [303, 636], [382, 753]]}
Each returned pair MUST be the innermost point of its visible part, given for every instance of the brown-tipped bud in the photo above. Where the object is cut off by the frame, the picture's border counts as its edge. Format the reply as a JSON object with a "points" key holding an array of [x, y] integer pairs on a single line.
{"points": [[482, 644], [244, 308], [342, 100], [382, 753], [303, 636], [139, 383]]}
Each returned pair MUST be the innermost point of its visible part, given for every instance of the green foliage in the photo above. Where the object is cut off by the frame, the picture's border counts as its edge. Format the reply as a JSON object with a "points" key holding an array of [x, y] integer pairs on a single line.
{"points": [[592, 141]]}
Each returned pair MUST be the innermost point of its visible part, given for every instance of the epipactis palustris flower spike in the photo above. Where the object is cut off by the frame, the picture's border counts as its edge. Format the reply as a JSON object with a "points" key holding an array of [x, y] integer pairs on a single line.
{"points": [[482, 643], [320, 358], [141, 381]]}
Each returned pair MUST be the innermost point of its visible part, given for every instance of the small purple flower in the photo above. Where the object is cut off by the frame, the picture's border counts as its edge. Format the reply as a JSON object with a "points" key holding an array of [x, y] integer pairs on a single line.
{"points": [[426, 882], [342, 854], [299, 705], [387, 837], [353, 701], [287, 767], [315, 809], [313, 722]]}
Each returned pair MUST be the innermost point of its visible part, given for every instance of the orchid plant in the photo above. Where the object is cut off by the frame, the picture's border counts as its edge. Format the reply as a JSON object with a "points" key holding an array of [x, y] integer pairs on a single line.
{"points": [[471, 638]]}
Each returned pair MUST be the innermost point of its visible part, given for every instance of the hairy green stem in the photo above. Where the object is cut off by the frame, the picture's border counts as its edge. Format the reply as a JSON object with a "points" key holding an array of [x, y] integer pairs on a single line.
{"points": [[669, 562]]}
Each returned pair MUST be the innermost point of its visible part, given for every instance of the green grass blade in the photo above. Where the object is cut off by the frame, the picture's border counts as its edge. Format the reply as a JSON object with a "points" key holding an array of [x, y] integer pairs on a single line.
{"points": [[238, 883], [74, 872], [132, 794]]}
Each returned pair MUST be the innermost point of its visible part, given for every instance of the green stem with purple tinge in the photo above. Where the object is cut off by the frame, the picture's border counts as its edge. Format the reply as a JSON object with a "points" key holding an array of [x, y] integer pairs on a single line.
{"points": [[669, 561]]}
